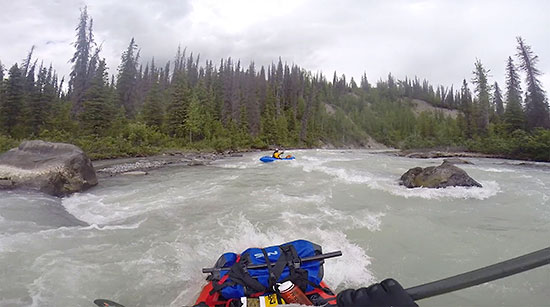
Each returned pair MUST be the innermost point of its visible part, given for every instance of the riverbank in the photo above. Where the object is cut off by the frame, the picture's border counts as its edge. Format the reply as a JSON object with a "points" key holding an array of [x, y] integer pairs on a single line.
{"points": [[435, 153], [450, 153], [141, 165]]}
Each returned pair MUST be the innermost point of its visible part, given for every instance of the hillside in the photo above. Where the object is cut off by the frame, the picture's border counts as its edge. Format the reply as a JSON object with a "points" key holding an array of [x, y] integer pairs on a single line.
{"points": [[365, 140], [420, 106]]}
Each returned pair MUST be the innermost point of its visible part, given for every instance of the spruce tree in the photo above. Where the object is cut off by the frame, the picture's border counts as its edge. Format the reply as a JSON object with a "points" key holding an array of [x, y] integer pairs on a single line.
{"points": [[1, 72], [39, 102], [13, 101], [450, 99], [194, 117], [153, 109], [27, 70], [177, 110], [127, 79], [251, 102], [497, 101], [365, 82], [513, 112], [482, 88], [2, 95], [80, 77], [206, 101], [536, 104], [269, 118], [98, 111], [50, 95], [466, 106]]}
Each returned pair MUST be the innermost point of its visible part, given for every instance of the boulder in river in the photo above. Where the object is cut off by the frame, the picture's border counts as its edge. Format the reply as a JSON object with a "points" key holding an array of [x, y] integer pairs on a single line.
{"points": [[54, 168], [445, 175]]}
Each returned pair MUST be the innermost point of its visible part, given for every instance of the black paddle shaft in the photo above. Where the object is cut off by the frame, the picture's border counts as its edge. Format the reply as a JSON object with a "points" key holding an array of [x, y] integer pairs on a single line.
{"points": [[479, 276], [260, 266]]}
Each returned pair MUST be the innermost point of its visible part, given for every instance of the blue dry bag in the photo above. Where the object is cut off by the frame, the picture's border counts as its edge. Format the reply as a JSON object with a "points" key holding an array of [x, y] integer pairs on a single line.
{"points": [[283, 263]]}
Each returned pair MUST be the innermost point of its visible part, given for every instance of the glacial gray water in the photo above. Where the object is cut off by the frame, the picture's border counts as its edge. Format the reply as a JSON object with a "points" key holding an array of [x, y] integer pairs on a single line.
{"points": [[142, 241]]}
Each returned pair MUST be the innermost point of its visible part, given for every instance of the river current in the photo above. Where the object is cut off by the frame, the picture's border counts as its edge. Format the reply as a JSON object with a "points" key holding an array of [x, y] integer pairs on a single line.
{"points": [[142, 240]]}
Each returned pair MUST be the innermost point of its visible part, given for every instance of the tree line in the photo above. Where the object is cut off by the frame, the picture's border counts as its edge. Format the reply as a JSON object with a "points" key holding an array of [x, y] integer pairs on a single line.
{"points": [[147, 108]]}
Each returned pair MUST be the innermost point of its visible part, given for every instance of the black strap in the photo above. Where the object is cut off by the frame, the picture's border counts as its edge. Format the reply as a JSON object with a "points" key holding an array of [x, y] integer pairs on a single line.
{"points": [[272, 278], [280, 265], [275, 273], [239, 275]]}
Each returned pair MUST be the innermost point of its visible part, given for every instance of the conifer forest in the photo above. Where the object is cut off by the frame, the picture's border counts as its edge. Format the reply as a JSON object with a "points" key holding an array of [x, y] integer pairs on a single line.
{"points": [[191, 103]]}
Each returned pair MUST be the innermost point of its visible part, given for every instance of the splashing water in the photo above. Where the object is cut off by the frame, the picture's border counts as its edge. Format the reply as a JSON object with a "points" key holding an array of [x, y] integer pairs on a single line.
{"points": [[142, 241]]}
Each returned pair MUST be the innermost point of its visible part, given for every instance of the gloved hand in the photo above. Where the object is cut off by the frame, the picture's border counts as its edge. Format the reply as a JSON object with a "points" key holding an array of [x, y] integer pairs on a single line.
{"points": [[385, 294]]}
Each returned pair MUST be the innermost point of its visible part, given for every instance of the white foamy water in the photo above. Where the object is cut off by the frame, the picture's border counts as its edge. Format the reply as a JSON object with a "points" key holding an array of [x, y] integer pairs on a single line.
{"points": [[142, 241]]}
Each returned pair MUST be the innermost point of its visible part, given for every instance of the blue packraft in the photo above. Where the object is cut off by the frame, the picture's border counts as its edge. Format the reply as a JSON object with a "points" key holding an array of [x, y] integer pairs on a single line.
{"points": [[284, 263]]}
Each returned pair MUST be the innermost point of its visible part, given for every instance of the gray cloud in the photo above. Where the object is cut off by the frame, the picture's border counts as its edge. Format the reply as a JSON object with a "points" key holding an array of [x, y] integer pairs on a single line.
{"points": [[436, 40]]}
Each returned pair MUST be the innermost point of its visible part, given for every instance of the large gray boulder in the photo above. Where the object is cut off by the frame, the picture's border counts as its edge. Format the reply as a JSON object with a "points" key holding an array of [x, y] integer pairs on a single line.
{"points": [[54, 168], [445, 175]]}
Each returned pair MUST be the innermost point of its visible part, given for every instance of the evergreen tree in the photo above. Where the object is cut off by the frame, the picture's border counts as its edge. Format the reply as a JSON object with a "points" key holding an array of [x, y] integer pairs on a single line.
{"points": [[49, 93], [13, 103], [27, 70], [365, 82], [227, 91], [466, 106], [127, 79], [482, 88], [243, 131], [97, 114], [536, 104], [450, 99], [28, 122], [251, 103], [153, 109], [1, 72], [40, 100], [352, 84], [194, 117], [80, 75], [206, 100], [513, 113], [307, 124], [497, 101], [269, 118], [2, 94], [177, 110]]}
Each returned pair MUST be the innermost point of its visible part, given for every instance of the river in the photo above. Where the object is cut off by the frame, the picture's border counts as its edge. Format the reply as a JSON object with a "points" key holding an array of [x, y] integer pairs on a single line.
{"points": [[142, 240]]}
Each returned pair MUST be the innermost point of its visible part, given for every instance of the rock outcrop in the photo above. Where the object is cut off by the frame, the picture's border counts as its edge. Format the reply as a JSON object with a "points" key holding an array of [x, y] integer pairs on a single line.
{"points": [[54, 168], [445, 175]]}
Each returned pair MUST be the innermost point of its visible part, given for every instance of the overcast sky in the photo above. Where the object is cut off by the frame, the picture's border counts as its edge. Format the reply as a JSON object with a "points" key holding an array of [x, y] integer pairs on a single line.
{"points": [[436, 40]]}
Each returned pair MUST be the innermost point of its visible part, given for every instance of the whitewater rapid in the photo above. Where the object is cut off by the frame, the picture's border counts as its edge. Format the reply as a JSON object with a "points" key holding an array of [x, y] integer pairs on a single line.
{"points": [[142, 240]]}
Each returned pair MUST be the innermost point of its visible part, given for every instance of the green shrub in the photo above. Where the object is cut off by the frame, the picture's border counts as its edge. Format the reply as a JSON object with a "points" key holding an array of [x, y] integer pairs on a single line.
{"points": [[60, 136], [221, 144], [538, 145], [7, 143], [258, 143]]}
